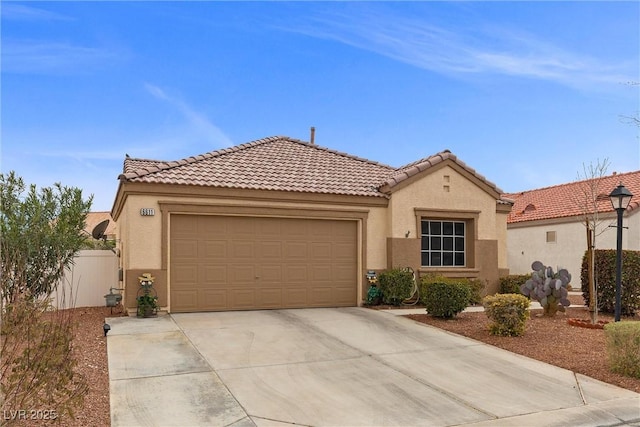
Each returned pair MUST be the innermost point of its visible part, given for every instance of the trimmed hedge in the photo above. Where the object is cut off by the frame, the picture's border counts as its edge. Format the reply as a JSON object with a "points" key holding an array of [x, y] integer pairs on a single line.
{"points": [[605, 276], [476, 286], [623, 347], [444, 297], [511, 284], [396, 285], [508, 312]]}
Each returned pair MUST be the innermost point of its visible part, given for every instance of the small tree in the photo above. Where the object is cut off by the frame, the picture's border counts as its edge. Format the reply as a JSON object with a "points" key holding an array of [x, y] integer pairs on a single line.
{"points": [[587, 199], [41, 234]]}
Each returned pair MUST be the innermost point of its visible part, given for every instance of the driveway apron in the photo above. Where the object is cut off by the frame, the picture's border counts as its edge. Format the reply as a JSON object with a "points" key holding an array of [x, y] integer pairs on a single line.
{"points": [[338, 367]]}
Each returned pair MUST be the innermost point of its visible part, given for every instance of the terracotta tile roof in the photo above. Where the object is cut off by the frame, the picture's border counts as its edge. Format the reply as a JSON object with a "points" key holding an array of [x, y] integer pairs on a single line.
{"points": [[407, 171], [285, 164], [274, 163], [569, 200]]}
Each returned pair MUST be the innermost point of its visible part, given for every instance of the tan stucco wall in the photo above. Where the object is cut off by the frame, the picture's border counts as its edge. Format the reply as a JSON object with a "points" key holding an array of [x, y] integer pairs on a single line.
{"points": [[377, 232], [528, 244], [429, 192], [449, 192], [142, 245], [141, 236]]}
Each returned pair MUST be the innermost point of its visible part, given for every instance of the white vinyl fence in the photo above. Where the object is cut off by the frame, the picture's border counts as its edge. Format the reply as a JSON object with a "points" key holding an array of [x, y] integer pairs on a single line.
{"points": [[88, 280]]}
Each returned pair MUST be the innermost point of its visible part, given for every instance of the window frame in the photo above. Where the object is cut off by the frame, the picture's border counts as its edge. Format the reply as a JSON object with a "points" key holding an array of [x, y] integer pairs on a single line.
{"points": [[442, 239], [468, 217]]}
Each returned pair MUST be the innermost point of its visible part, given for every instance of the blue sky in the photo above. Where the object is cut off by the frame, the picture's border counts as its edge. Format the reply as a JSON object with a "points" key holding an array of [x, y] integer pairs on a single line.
{"points": [[527, 93]]}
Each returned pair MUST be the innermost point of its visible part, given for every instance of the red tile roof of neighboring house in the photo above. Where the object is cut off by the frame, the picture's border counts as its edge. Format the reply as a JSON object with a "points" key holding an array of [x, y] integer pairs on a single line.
{"points": [[570, 200], [285, 164]]}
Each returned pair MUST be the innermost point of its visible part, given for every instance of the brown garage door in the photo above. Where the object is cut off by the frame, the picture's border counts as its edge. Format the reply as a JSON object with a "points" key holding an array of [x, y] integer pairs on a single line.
{"points": [[243, 263]]}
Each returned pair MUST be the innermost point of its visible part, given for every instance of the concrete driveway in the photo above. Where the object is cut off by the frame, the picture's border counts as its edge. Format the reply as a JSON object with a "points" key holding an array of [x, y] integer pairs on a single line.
{"points": [[338, 367]]}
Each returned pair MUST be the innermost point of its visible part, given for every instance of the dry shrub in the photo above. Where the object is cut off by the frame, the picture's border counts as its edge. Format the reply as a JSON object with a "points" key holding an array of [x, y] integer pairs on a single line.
{"points": [[36, 362], [623, 347]]}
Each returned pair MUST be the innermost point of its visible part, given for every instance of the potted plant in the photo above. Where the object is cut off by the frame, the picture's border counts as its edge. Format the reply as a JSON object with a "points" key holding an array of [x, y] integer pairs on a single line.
{"points": [[147, 305], [147, 299]]}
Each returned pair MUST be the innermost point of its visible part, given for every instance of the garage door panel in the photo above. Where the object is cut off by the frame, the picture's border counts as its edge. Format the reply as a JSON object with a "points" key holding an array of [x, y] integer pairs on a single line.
{"points": [[270, 250], [342, 272], [269, 228], [320, 296], [343, 296], [242, 249], [214, 274], [242, 263], [184, 225], [241, 273], [270, 274], [186, 249], [216, 299], [343, 231], [186, 273], [270, 298], [321, 251], [214, 249], [321, 273], [210, 228], [241, 226], [295, 297], [295, 273], [186, 300], [243, 298], [295, 250], [346, 250]]}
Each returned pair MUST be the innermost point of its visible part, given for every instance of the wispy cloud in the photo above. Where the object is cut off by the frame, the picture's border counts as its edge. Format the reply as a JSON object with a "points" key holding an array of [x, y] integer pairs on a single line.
{"points": [[201, 127], [46, 57], [459, 51]]}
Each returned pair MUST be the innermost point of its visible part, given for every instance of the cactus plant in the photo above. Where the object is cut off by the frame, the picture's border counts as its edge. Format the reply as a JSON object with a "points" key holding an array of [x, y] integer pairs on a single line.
{"points": [[548, 288]]}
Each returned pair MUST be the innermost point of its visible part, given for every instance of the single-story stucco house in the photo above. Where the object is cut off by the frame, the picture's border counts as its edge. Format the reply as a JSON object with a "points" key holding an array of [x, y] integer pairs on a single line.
{"points": [[548, 224], [282, 223]]}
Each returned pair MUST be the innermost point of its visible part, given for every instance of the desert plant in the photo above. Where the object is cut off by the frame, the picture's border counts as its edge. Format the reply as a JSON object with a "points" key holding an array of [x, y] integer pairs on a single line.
{"points": [[508, 313], [605, 277], [511, 284], [623, 347], [36, 362], [444, 297], [395, 285], [548, 288]]}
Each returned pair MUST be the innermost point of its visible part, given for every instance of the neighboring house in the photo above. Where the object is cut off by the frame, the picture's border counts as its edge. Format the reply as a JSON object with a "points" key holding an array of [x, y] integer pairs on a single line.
{"points": [[281, 223], [95, 218], [548, 224]]}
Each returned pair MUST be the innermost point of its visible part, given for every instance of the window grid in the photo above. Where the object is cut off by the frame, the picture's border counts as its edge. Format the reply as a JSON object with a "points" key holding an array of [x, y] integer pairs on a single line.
{"points": [[443, 243]]}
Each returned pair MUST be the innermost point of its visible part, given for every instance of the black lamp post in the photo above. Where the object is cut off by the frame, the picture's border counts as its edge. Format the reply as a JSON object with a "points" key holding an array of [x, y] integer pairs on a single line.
{"points": [[620, 199]]}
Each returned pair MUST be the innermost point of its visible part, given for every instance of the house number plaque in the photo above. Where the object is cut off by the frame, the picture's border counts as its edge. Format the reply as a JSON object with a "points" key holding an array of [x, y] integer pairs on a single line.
{"points": [[147, 211]]}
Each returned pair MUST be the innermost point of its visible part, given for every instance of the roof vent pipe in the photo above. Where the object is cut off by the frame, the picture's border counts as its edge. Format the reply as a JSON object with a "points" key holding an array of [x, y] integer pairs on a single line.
{"points": [[312, 140]]}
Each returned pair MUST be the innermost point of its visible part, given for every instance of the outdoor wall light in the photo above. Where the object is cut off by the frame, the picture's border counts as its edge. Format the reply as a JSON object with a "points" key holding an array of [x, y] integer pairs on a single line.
{"points": [[620, 199]]}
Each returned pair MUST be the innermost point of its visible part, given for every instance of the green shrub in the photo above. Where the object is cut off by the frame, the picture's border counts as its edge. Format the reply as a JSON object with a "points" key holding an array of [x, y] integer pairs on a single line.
{"points": [[623, 347], [476, 286], [444, 297], [396, 285], [605, 276], [511, 284], [508, 312]]}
